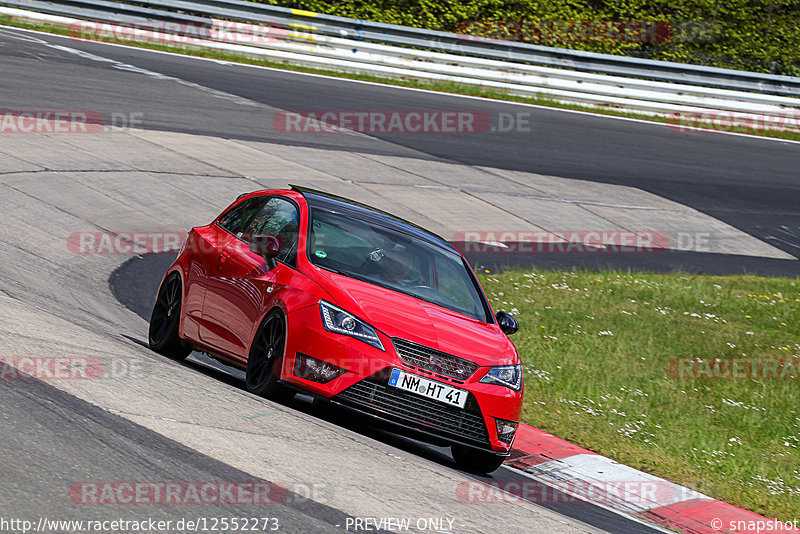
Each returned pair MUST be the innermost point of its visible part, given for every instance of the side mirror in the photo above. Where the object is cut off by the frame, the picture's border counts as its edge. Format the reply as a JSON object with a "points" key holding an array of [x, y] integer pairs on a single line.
{"points": [[508, 324], [267, 247]]}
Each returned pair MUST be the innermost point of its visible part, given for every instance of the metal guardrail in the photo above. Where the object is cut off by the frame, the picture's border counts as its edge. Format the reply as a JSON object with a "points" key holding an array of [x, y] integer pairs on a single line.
{"points": [[404, 36]]}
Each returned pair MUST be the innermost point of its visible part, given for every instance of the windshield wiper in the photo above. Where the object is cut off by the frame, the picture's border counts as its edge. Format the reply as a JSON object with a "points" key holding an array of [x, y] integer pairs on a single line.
{"points": [[332, 269]]}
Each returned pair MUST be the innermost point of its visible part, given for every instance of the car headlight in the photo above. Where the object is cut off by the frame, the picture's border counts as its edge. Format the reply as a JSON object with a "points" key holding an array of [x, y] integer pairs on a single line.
{"points": [[340, 322], [509, 376]]}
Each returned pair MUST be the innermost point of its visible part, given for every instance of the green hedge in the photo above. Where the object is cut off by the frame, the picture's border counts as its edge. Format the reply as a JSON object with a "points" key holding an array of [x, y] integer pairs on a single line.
{"points": [[756, 35]]}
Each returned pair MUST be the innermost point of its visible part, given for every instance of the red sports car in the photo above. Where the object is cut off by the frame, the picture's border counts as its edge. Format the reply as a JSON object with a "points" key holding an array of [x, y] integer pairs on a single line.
{"points": [[312, 292]]}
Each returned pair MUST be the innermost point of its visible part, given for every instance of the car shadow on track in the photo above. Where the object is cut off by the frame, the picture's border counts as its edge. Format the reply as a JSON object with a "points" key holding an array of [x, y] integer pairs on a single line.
{"points": [[135, 284]]}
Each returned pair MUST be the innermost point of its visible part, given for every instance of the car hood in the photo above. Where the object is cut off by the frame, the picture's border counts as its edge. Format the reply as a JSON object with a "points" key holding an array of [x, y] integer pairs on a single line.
{"points": [[399, 315]]}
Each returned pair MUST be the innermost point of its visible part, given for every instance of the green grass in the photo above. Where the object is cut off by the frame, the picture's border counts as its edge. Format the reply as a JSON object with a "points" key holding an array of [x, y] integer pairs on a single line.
{"points": [[597, 348], [444, 87]]}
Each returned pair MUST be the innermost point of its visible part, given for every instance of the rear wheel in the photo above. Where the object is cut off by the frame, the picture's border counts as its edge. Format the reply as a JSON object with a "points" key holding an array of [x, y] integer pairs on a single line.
{"points": [[476, 460], [163, 334], [266, 356]]}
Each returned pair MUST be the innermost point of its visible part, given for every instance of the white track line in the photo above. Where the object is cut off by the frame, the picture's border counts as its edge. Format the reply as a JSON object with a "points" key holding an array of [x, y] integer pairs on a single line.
{"points": [[547, 483], [427, 91]]}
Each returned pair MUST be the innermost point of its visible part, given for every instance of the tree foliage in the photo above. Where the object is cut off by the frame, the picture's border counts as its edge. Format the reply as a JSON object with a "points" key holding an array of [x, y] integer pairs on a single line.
{"points": [[755, 35]]}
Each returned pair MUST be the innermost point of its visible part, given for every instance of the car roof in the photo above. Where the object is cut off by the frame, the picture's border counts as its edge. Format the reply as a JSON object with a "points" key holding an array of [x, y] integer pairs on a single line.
{"points": [[363, 212]]}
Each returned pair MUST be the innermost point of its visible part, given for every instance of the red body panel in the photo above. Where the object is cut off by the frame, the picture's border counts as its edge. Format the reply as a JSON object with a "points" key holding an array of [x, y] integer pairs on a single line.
{"points": [[228, 290]]}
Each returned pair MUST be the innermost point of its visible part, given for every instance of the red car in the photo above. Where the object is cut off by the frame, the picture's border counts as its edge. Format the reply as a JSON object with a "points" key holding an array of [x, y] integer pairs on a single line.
{"points": [[308, 291]]}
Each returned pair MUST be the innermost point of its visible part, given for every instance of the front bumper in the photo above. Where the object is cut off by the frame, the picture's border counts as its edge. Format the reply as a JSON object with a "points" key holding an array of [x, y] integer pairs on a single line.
{"points": [[364, 388], [373, 394]]}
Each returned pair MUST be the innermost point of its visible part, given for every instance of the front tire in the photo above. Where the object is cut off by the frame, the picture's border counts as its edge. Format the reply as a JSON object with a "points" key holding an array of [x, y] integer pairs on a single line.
{"points": [[475, 460], [266, 357], [165, 319]]}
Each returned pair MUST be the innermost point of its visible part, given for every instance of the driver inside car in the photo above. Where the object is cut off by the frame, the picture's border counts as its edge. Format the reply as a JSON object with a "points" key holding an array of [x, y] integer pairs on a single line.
{"points": [[397, 267]]}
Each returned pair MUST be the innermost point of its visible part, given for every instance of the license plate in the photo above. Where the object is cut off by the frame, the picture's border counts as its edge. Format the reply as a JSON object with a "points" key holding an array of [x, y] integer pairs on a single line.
{"points": [[428, 388]]}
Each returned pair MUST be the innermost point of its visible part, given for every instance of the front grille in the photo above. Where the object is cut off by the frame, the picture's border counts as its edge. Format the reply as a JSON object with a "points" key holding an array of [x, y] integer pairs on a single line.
{"points": [[436, 361], [426, 413]]}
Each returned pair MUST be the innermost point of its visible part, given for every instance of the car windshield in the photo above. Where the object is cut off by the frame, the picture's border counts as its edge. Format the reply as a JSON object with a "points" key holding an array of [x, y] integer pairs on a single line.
{"points": [[390, 258]]}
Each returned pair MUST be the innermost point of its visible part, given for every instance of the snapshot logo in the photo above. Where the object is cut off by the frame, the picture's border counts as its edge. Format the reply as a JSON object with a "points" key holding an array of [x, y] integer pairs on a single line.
{"points": [[205, 493], [566, 242], [734, 368], [50, 122], [733, 121], [64, 368], [125, 242], [399, 122], [650, 492], [755, 526], [163, 32]]}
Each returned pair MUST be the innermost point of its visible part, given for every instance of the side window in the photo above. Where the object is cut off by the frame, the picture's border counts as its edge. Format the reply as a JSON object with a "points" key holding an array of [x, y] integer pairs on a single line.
{"points": [[238, 218], [279, 218]]}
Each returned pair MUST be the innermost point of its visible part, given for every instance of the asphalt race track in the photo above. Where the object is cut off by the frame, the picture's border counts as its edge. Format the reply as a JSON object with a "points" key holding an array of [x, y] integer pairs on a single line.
{"points": [[202, 133], [137, 279], [94, 443], [749, 183]]}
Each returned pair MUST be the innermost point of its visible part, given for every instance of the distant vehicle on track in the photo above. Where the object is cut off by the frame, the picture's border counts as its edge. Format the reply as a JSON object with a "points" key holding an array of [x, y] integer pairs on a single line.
{"points": [[308, 291]]}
